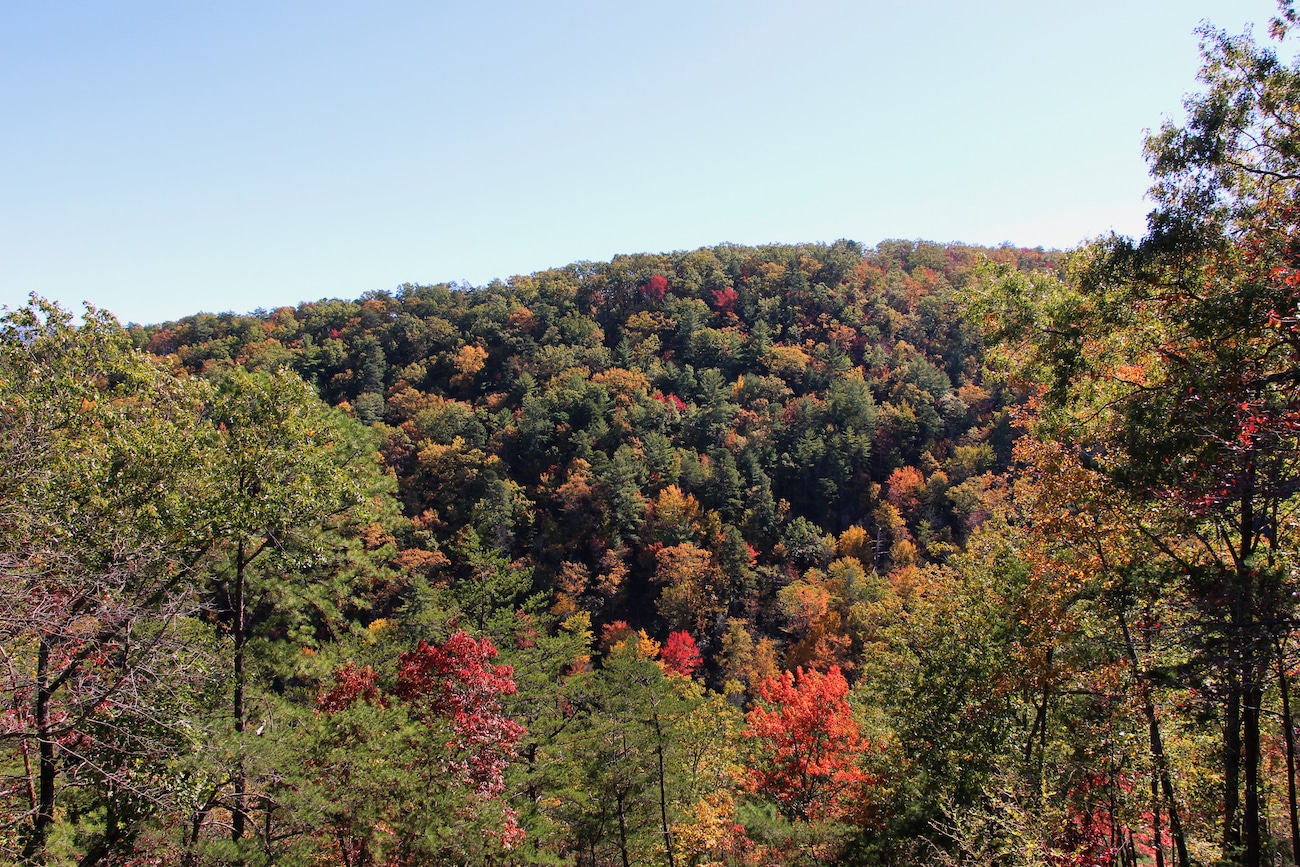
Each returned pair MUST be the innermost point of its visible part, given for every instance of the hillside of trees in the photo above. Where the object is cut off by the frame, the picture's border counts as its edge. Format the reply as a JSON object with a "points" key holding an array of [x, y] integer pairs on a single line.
{"points": [[795, 554]]}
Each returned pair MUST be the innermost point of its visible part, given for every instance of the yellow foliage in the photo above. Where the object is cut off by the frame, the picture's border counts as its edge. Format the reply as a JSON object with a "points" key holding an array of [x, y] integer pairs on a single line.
{"points": [[690, 579], [804, 603], [625, 386], [644, 646], [902, 553], [890, 520], [709, 821], [673, 508], [565, 605], [470, 360], [787, 362], [737, 657], [766, 661], [855, 542]]}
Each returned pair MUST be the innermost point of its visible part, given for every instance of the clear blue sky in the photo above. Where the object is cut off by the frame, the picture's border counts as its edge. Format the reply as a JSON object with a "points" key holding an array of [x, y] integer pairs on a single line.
{"points": [[160, 158]]}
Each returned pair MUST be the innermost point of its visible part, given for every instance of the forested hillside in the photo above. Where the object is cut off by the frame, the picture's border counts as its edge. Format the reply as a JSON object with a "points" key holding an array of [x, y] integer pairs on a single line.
{"points": [[801, 554], [665, 441]]}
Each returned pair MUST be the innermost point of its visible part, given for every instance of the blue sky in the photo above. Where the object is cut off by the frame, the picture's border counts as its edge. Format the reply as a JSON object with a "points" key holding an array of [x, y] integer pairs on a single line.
{"points": [[160, 158]]}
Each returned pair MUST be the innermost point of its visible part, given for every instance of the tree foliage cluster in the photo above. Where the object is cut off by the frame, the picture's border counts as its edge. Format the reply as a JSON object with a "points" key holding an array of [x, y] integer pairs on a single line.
{"points": [[668, 441]]}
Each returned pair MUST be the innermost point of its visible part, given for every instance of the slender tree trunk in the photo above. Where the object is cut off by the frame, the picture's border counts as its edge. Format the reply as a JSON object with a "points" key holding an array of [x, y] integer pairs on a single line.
{"points": [[241, 784], [663, 788], [1156, 743], [266, 828], [1288, 735], [663, 800], [1038, 729], [622, 831], [531, 755], [34, 849], [1232, 771], [1156, 845], [1254, 803]]}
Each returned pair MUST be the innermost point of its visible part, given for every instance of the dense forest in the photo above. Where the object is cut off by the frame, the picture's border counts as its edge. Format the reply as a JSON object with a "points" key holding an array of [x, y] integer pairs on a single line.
{"points": [[795, 554]]}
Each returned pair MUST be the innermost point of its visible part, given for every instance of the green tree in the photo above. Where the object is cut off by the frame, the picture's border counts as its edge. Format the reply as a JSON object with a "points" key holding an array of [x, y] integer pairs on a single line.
{"points": [[102, 458], [282, 466]]}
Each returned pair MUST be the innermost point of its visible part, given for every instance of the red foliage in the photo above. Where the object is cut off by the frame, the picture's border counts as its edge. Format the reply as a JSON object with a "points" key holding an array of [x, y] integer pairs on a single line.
{"points": [[681, 654], [725, 301], [809, 746], [1090, 834], [457, 680], [671, 401], [656, 289], [351, 685], [454, 676]]}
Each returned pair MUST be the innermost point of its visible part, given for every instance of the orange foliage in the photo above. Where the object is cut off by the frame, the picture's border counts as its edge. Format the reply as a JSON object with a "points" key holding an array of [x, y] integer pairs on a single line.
{"points": [[808, 747], [903, 489]]}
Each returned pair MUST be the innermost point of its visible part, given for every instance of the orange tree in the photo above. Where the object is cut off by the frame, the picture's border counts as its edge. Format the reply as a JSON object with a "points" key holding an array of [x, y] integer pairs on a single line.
{"points": [[807, 747]]}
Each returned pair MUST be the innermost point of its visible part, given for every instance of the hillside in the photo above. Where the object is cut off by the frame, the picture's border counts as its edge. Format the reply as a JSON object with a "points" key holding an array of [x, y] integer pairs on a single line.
{"points": [[606, 423]]}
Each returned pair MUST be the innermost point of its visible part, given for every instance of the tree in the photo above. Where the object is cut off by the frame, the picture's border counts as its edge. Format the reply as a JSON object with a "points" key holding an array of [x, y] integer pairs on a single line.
{"points": [[1171, 368], [101, 456], [690, 578], [681, 654], [655, 756], [408, 766], [808, 747], [283, 464]]}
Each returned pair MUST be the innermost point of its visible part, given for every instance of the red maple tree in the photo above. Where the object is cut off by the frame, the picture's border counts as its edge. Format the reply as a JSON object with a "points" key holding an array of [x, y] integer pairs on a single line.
{"points": [[656, 288], [681, 654], [456, 681]]}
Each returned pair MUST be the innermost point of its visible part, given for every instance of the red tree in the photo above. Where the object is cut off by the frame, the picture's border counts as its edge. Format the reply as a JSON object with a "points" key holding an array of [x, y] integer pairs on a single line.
{"points": [[656, 288], [457, 682], [808, 746], [724, 300], [681, 654]]}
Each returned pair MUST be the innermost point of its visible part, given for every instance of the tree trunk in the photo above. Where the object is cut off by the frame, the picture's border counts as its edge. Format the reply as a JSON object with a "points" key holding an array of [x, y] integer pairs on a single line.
{"points": [[1156, 743], [1251, 759], [663, 800], [1288, 735], [1232, 771], [34, 849], [622, 831], [111, 838], [237, 710], [1156, 832]]}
